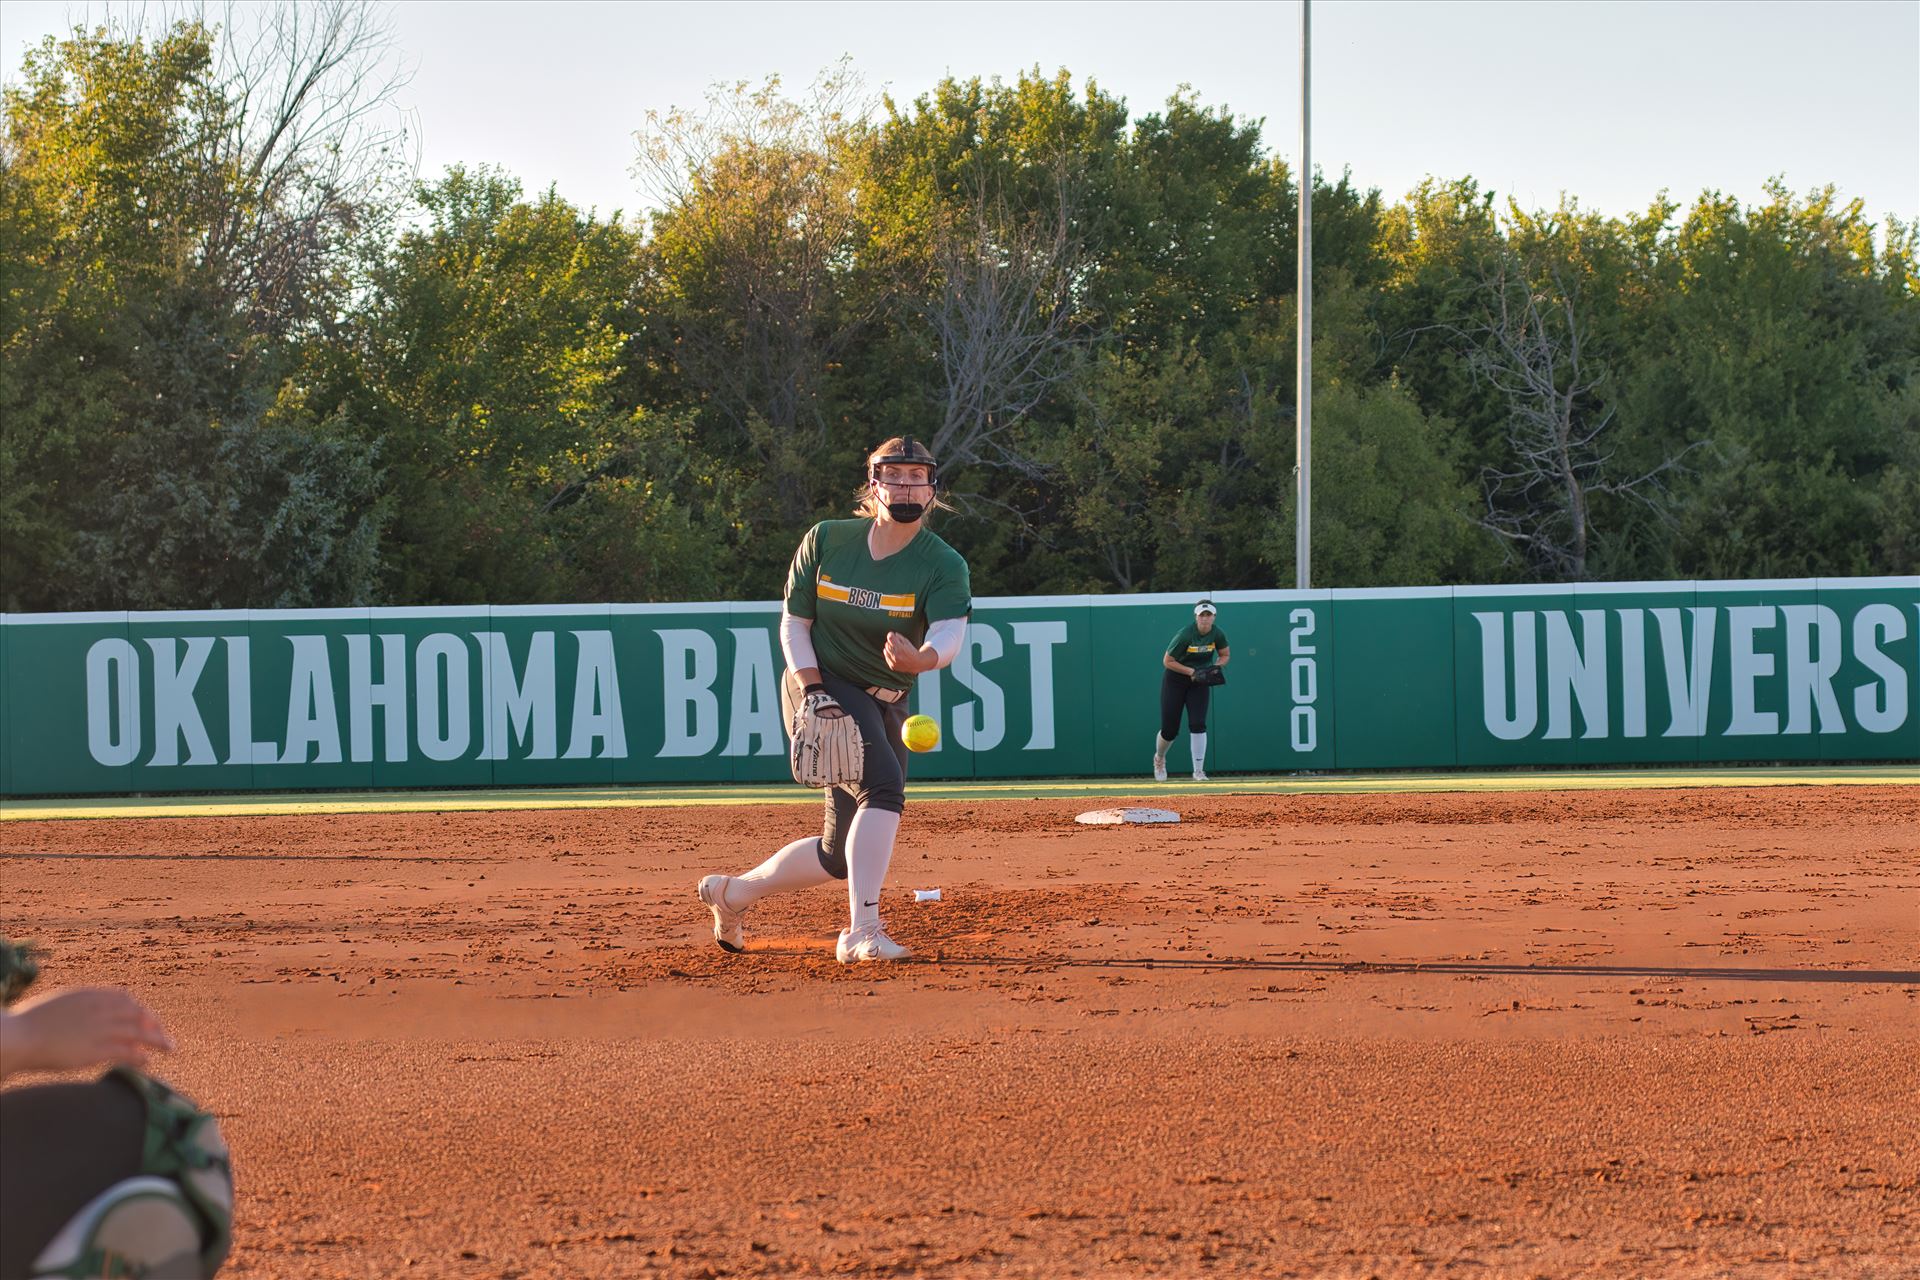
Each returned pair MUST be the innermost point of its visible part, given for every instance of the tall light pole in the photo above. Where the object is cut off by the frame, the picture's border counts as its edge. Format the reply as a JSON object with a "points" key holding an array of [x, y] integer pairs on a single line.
{"points": [[1303, 341]]}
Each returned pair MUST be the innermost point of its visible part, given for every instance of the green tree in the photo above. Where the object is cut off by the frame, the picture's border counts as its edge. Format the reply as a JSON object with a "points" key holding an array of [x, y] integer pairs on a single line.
{"points": [[487, 362], [744, 278], [1389, 508], [1779, 336], [149, 458], [229, 375]]}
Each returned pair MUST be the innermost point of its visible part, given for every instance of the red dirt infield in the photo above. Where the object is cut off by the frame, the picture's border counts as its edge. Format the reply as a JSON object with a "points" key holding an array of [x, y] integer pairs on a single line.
{"points": [[1549, 1034]]}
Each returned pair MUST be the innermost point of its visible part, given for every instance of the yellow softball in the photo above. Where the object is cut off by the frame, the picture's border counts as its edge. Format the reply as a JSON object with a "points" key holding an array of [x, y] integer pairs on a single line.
{"points": [[920, 733]]}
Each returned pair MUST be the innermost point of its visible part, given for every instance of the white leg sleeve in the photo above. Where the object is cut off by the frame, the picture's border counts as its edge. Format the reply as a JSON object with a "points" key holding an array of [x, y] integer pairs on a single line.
{"points": [[869, 850], [1199, 741], [1160, 745], [795, 867]]}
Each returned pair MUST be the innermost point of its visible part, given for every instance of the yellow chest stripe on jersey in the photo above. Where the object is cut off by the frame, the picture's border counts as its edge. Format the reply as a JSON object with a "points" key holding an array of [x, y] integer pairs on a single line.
{"points": [[861, 598], [1200, 648]]}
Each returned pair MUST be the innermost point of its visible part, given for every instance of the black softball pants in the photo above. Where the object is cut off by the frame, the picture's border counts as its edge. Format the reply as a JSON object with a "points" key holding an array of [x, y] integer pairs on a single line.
{"points": [[1177, 691], [883, 772]]}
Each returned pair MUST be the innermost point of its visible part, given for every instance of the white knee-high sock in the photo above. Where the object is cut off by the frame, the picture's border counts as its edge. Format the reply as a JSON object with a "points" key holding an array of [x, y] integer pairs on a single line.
{"points": [[869, 850], [797, 866], [1160, 746], [1199, 741]]}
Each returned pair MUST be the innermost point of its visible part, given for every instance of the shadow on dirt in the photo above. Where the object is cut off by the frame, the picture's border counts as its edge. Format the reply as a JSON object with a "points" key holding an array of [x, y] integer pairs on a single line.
{"points": [[1229, 964]]}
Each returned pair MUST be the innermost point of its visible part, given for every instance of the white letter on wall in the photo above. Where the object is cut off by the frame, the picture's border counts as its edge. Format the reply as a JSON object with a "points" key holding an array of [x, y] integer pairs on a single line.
{"points": [[1688, 682], [1572, 672], [440, 678], [113, 714], [512, 705], [174, 710], [1633, 673], [981, 727], [1810, 678], [390, 695], [689, 690], [596, 700], [1880, 707], [1040, 637], [241, 748], [755, 706], [312, 719], [1493, 676], [1749, 666]]}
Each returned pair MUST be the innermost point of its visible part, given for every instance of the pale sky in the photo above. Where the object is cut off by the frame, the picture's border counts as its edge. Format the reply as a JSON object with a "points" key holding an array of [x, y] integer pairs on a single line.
{"points": [[1610, 102]]}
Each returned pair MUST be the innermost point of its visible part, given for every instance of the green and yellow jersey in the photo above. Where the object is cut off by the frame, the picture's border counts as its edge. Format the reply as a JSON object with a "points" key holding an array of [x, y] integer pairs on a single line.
{"points": [[855, 600], [1191, 649]]}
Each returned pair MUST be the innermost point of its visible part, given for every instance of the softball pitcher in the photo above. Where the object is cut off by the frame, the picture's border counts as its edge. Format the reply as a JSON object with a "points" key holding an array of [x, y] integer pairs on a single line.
{"points": [[871, 602]]}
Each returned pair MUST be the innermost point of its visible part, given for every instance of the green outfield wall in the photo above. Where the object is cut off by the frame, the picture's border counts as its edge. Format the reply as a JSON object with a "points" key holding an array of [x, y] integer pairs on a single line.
{"points": [[1804, 670]]}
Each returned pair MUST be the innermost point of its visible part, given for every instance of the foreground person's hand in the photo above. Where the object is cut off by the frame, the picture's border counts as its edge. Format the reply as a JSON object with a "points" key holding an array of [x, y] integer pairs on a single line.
{"points": [[82, 1027]]}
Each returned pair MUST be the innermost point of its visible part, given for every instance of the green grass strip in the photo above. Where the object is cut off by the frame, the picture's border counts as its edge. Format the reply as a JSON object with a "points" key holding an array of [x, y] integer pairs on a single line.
{"points": [[638, 796]]}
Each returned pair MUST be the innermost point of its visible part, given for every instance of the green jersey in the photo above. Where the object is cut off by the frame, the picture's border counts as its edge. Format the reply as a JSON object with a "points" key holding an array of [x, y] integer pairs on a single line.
{"points": [[855, 600], [1191, 649]]}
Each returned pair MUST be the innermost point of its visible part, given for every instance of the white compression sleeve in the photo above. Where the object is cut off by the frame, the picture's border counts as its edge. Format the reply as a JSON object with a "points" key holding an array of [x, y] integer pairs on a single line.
{"points": [[869, 850], [797, 866], [946, 637], [796, 641]]}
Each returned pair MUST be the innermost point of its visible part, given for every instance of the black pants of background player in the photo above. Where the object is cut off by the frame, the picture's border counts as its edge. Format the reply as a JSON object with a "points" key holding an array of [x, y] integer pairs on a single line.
{"points": [[883, 774], [60, 1146], [1177, 691]]}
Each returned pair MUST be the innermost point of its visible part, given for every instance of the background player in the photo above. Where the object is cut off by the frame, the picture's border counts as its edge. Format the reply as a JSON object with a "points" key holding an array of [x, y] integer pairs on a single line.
{"points": [[1195, 661]]}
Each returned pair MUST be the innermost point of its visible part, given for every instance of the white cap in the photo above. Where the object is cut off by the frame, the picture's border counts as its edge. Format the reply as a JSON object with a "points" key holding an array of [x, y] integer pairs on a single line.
{"points": [[1205, 606]]}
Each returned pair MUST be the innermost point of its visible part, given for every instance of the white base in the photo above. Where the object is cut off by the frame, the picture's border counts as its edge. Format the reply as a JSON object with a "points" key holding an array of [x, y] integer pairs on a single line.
{"points": [[1114, 817]]}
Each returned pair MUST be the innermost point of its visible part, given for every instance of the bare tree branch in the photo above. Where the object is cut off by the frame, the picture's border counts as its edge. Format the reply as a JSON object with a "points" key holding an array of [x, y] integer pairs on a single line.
{"points": [[316, 141], [760, 214], [1002, 312], [302, 144], [1532, 345]]}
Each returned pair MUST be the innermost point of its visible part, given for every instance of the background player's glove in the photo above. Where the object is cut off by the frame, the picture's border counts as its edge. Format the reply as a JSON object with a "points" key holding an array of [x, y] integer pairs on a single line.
{"points": [[827, 747], [1209, 675]]}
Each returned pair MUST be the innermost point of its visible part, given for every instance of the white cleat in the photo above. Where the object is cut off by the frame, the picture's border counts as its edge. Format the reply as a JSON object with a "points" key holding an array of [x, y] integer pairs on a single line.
{"points": [[1199, 775], [1159, 768], [868, 942], [729, 926]]}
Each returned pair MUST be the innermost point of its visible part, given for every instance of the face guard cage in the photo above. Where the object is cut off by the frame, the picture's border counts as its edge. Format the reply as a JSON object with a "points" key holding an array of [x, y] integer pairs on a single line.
{"points": [[912, 453]]}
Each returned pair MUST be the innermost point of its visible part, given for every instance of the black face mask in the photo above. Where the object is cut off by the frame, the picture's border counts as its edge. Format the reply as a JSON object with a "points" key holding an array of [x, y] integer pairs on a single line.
{"points": [[903, 512]]}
